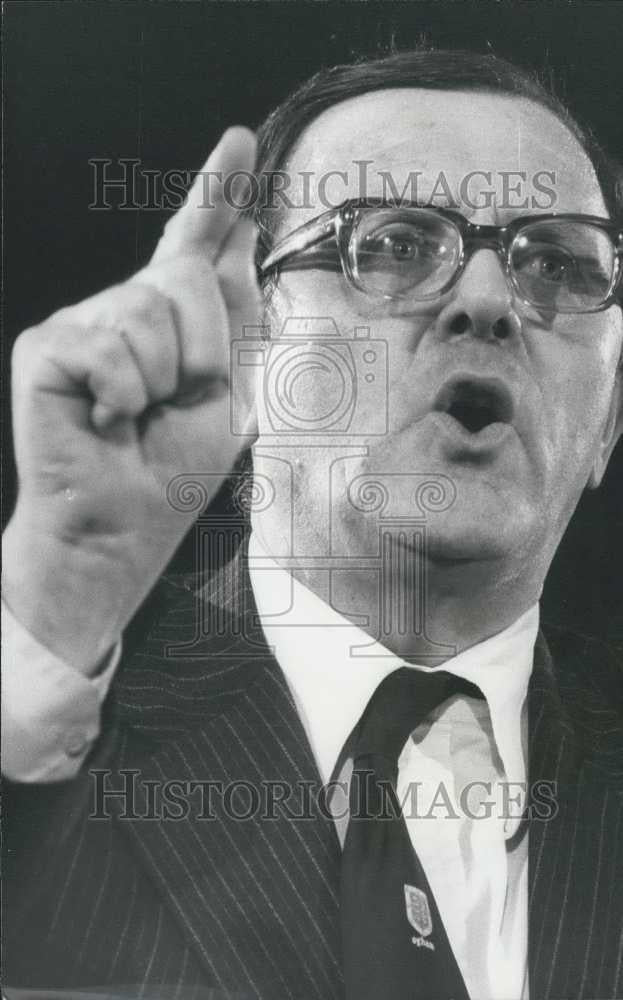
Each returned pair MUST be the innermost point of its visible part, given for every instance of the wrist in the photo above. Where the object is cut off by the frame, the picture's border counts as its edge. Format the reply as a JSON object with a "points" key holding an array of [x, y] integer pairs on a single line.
{"points": [[66, 598]]}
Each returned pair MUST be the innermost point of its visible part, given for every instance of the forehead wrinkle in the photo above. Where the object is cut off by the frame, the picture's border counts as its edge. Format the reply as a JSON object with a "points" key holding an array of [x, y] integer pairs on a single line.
{"points": [[521, 135], [360, 140]]}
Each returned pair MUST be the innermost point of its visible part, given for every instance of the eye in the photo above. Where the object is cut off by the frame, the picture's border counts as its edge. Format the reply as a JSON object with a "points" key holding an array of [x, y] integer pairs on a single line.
{"points": [[391, 242], [394, 255], [552, 266], [549, 264], [545, 264], [401, 247]]}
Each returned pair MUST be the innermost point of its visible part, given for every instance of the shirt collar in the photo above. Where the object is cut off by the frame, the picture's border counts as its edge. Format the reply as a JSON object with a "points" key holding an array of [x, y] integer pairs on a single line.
{"points": [[332, 669]]}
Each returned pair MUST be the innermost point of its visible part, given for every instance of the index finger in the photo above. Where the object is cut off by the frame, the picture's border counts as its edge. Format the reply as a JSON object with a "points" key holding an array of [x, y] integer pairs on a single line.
{"points": [[202, 224]]}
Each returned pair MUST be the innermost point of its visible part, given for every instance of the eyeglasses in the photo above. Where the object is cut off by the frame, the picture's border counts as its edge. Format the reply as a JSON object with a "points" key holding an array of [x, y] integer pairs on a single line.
{"points": [[559, 263]]}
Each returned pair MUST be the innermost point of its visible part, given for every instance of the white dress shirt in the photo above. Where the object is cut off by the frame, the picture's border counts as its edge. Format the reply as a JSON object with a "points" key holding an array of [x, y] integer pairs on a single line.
{"points": [[51, 718], [479, 878]]}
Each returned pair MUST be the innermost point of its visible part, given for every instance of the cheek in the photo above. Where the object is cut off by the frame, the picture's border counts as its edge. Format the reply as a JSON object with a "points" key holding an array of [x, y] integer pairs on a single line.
{"points": [[578, 381], [378, 345], [323, 293], [309, 293]]}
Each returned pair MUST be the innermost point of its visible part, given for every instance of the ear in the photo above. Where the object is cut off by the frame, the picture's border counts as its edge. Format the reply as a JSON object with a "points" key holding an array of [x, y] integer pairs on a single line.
{"points": [[612, 431]]}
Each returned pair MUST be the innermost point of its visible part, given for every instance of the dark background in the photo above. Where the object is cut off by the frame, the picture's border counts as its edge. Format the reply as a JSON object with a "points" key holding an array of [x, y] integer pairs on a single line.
{"points": [[160, 81]]}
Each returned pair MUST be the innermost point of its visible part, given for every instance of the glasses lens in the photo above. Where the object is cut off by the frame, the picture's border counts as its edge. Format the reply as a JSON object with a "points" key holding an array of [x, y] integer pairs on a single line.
{"points": [[396, 252], [563, 265]]}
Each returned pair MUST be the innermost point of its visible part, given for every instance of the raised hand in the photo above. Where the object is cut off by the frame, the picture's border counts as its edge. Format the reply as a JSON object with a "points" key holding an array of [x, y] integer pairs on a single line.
{"points": [[112, 398]]}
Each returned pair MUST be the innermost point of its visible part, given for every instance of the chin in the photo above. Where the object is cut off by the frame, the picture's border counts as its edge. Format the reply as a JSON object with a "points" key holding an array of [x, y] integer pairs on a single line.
{"points": [[486, 535], [464, 532], [469, 545]]}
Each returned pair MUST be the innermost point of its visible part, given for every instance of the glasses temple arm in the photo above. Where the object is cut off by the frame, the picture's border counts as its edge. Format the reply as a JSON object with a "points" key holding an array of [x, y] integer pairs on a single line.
{"points": [[302, 238]]}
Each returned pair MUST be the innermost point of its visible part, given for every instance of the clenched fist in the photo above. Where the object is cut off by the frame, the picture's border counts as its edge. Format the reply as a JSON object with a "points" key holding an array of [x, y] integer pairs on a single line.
{"points": [[112, 398]]}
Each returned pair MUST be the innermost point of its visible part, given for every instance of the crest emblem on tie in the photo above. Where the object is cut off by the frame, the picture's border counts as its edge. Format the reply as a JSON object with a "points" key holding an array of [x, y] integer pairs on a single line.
{"points": [[418, 910]]}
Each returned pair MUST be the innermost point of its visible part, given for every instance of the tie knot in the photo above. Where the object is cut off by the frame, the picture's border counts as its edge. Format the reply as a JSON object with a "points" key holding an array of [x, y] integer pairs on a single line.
{"points": [[401, 701]]}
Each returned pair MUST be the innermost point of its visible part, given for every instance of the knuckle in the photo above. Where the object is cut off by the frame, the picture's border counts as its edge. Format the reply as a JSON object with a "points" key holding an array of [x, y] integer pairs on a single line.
{"points": [[110, 354], [26, 345], [228, 278], [91, 313], [32, 347], [142, 298], [237, 280], [150, 306], [238, 260], [119, 388]]}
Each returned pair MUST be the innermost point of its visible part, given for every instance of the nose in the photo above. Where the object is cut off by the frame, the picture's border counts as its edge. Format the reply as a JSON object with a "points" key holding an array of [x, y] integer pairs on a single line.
{"points": [[482, 304]]}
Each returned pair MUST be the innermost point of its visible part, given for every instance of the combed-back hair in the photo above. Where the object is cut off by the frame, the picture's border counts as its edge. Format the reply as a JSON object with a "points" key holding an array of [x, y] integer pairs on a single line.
{"points": [[424, 68]]}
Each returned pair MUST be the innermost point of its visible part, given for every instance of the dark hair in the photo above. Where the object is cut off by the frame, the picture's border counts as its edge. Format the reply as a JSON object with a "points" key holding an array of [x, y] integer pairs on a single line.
{"points": [[440, 69]]}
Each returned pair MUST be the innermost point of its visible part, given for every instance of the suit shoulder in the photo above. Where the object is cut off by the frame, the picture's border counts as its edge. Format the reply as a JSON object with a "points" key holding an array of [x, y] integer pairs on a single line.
{"points": [[584, 661], [188, 652], [589, 679]]}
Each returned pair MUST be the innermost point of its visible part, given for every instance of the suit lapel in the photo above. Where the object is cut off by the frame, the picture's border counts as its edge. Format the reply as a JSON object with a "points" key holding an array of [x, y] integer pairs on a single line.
{"points": [[256, 896], [575, 915], [251, 869]]}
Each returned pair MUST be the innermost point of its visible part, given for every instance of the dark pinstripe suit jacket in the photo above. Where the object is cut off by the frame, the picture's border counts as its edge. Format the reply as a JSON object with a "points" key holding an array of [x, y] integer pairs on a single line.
{"points": [[213, 908]]}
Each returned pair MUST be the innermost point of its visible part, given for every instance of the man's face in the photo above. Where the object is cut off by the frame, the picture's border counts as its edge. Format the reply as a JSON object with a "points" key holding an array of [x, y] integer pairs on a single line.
{"points": [[517, 487]]}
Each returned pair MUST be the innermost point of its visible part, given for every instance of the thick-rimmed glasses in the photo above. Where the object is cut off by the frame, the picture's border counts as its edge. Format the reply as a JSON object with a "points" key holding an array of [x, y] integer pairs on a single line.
{"points": [[559, 263]]}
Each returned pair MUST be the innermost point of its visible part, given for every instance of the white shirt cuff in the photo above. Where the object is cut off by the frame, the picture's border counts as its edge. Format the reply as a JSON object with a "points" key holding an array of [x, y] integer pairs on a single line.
{"points": [[50, 711]]}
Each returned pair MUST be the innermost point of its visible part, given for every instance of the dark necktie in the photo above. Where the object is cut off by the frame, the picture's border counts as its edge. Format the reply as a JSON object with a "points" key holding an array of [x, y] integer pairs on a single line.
{"points": [[394, 944]]}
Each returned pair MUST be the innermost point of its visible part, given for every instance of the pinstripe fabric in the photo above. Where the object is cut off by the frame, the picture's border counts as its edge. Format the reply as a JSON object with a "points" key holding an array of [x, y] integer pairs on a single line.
{"points": [[202, 909], [576, 858], [79, 912], [246, 907]]}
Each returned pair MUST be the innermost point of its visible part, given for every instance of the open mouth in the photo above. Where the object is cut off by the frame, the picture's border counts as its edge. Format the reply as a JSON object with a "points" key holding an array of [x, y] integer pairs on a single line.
{"points": [[475, 403]]}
